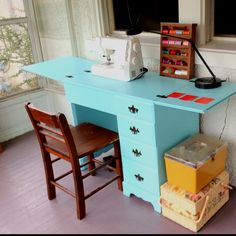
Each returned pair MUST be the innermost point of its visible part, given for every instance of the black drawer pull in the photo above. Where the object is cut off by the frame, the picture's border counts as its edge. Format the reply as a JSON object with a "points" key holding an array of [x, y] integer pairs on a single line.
{"points": [[136, 152], [133, 109], [134, 130], [139, 177]]}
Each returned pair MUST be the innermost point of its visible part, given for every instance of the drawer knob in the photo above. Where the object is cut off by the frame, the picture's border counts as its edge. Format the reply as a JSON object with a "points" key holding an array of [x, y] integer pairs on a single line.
{"points": [[136, 152], [134, 130], [138, 177], [133, 109]]}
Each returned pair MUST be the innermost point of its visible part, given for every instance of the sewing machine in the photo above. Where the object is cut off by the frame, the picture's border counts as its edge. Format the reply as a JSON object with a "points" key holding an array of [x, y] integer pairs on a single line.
{"points": [[123, 58]]}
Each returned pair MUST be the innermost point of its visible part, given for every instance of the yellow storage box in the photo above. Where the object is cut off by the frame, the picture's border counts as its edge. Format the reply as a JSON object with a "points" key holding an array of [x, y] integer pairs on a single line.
{"points": [[194, 210], [192, 164]]}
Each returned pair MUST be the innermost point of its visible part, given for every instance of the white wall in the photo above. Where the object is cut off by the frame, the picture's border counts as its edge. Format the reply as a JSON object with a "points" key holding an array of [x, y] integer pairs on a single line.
{"points": [[14, 120]]}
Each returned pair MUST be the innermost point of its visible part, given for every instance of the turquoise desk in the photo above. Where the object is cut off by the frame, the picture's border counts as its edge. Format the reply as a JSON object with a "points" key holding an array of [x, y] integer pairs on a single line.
{"points": [[148, 125]]}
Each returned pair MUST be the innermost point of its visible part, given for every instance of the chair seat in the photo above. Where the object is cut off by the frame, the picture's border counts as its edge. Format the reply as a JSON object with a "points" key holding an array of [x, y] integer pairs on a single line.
{"points": [[88, 138]]}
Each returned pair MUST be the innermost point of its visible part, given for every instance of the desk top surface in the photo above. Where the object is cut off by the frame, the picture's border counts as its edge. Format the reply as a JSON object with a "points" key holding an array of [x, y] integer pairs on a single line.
{"points": [[181, 94]]}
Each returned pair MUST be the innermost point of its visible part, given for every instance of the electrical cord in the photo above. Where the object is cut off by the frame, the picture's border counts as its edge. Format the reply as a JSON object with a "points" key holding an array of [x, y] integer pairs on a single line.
{"points": [[226, 116], [225, 120]]}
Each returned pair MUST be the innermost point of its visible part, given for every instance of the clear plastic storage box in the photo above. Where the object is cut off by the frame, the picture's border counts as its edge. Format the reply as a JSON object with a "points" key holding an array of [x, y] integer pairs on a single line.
{"points": [[193, 163]]}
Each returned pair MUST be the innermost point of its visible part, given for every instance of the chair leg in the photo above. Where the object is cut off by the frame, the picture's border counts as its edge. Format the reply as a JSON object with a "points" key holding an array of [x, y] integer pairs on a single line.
{"points": [[80, 206], [92, 164], [118, 164], [1, 148], [79, 193], [51, 189]]}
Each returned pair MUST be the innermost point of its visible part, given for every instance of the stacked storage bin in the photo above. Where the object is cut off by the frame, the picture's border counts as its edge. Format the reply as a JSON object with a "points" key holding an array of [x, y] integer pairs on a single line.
{"points": [[197, 183]]}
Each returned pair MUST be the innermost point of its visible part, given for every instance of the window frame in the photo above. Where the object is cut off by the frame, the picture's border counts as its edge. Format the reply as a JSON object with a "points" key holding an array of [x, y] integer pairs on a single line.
{"points": [[187, 13], [215, 44], [33, 30], [209, 22], [34, 37], [28, 19], [150, 42], [190, 11], [221, 38]]}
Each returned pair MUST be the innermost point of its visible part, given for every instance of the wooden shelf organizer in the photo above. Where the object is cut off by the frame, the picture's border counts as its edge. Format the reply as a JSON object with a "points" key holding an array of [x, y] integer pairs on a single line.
{"points": [[177, 55]]}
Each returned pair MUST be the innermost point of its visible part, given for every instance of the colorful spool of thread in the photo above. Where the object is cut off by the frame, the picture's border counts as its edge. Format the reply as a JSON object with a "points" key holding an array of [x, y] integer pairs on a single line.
{"points": [[178, 42], [165, 31], [165, 51], [172, 31], [171, 41], [165, 41], [178, 31], [172, 52], [186, 32]]}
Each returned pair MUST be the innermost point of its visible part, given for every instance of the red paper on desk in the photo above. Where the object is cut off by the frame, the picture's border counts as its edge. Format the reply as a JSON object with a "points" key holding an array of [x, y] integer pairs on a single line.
{"points": [[204, 100], [175, 95], [188, 97]]}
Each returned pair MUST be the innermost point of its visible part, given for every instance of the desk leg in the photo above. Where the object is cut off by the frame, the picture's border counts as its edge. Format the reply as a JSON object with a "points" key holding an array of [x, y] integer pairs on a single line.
{"points": [[75, 115]]}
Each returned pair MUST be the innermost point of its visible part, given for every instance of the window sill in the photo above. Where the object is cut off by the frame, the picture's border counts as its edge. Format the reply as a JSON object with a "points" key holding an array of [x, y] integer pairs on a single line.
{"points": [[144, 37], [219, 53], [19, 95], [220, 46]]}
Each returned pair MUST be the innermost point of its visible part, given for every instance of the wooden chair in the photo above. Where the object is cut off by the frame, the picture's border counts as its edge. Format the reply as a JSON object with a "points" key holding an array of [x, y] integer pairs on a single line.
{"points": [[70, 144]]}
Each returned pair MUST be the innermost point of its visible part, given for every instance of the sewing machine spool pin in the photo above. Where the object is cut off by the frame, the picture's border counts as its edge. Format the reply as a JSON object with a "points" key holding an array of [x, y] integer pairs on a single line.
{"points": [[108, 54]]}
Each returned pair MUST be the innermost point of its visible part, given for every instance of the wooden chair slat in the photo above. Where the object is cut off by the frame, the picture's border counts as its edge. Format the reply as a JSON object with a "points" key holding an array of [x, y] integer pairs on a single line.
{"points": [[63, 188], [55, 131], [47, 134], [44, 117], [55, 152], [101, 187], [64, 175]]}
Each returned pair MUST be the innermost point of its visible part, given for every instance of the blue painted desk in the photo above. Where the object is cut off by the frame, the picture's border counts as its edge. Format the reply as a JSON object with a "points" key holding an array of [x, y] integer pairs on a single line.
{"points": [[148, 126]]}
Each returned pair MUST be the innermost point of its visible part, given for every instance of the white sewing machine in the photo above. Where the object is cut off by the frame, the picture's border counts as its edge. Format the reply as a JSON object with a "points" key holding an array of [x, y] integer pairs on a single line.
{"points": [[123, 58]]}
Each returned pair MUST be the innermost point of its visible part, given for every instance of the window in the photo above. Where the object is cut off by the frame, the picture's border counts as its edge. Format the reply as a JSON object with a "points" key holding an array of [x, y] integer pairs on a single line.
{"points": [[145, 14], [224, 19], [15, 49]]}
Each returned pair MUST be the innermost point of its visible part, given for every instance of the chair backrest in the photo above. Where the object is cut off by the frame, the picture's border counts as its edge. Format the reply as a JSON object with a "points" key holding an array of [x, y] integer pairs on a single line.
{"points": [[53, 133]]}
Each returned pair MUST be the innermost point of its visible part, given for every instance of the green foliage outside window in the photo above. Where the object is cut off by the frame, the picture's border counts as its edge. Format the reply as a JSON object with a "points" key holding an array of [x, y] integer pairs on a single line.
{"points": [[15, 51]]}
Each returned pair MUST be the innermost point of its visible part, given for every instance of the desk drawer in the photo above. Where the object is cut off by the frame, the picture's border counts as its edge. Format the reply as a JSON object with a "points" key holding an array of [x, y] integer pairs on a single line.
{"points": [[137, 130], [90, 97], [141, 153], [135, 108], [140, 176]]}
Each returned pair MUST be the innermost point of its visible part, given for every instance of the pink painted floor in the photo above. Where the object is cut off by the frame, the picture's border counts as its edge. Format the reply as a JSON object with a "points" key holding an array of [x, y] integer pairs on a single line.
{"points": [[25, 208]]}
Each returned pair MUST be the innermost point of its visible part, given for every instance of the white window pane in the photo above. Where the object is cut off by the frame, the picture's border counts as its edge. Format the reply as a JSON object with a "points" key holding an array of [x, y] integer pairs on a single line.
{"points": [[11, 9], [15, 51]]}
